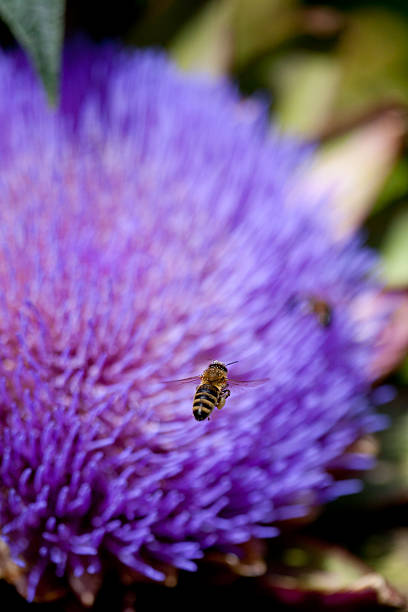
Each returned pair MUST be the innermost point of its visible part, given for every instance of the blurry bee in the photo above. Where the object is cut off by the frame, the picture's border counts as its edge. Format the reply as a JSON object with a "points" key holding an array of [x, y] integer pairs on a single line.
{"points": [[315, 305], [322, 310], [213, 389]]}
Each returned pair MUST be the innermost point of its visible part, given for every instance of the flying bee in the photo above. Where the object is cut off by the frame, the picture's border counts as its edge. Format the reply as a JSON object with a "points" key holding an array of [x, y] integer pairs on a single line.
{"points": [[315, 305], [213, 389], [322, 310]]}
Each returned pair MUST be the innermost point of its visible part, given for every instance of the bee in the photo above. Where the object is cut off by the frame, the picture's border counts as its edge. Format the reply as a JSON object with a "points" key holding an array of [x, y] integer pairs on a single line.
{"points": [[322, 310], [315, 305], [213, 389]]}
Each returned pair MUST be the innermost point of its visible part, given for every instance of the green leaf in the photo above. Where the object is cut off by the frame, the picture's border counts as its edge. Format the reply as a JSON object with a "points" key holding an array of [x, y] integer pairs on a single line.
{"points": [[261, 26], [395, 251], [373, 54], [354, 167], [387, 553], [38, 26], [312, 574], [306, 85], [395, 187], [386, 485], [403, 371], [205, 44]]}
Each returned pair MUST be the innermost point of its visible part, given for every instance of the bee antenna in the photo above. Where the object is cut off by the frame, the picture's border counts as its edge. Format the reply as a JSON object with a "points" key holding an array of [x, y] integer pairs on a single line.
{"points": [[231, 362]]}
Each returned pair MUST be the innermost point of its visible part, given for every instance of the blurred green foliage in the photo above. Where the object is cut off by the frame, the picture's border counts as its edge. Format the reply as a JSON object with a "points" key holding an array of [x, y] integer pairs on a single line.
{"points": [[395, 249]]}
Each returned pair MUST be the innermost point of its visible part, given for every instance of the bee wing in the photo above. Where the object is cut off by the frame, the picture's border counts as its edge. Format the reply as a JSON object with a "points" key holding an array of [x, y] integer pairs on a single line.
{"points": [[180, 381], [246, 383]]}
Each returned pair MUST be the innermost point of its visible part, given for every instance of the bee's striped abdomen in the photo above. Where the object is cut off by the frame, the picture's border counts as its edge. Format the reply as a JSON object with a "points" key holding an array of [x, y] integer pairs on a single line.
{"points": [[205, 399]]}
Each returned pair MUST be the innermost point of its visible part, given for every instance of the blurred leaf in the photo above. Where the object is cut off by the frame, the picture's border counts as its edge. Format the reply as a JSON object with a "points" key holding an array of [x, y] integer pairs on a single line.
{"points": [[313, 572], [159, 21], [305, 87], [205, 43], [387, 484], [392, 345], [227, 32], [38, 26], [403, 371], [395, 186], [373, 54], [249, 562], [353, 168], [388, 554], [260, 26], [394, 250]]}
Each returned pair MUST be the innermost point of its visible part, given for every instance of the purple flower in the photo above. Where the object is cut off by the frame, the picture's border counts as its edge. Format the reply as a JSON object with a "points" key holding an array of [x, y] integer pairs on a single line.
{"points": [[149, 226]]}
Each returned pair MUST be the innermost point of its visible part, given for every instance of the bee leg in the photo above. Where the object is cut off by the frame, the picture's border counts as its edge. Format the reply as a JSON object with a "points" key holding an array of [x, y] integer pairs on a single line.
{"points": [[225, 393], [221, 403]]}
